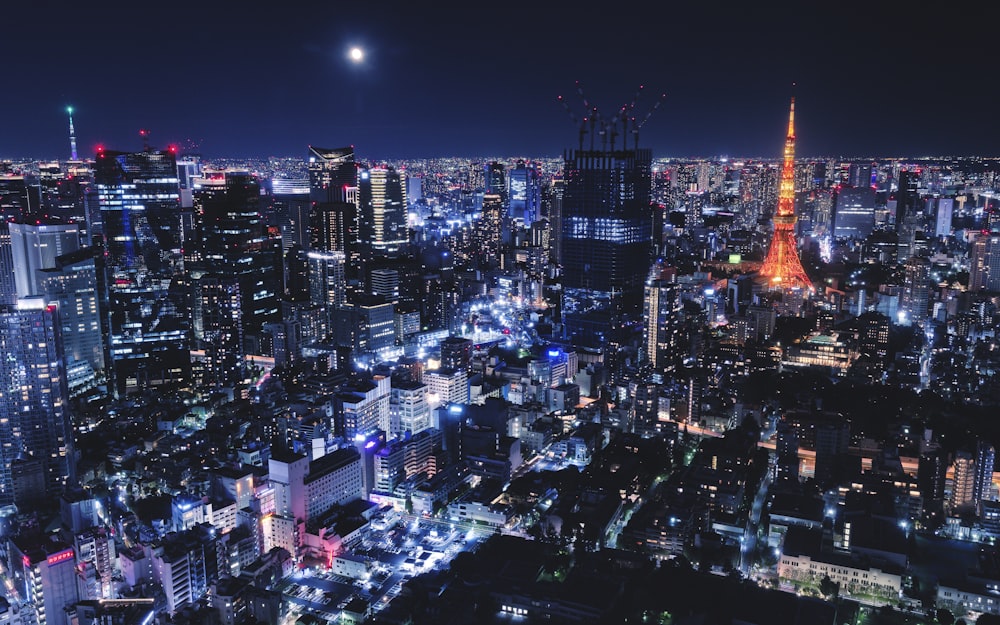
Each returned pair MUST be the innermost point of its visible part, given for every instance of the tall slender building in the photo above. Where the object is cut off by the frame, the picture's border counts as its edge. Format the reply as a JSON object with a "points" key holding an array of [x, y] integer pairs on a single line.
{"points": [[782, 268], [145, 320], [36, 438], [236, 290], [382, 209]]}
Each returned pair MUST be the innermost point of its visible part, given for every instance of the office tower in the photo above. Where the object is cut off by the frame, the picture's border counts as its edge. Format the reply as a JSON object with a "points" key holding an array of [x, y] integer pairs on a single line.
{"points": [[906, 197], [296, 268], [982, 486], [916, 290], [333, 227], [145, 321], [984, 262], [782, 268], [661, 324], [495, 181], [36, 437], [48, 262], [854, 213], [832, 441], [408, 408], [607, 224], [945, 208], [327, 279], [333, 174], [446, 386], [384, 283], [524, 193], [555, 215], [362, 406], [367, 327], [35, 246], [860, 175], [382, 209], [787, 456], [488, 236], [873, 336], [456, 353], [232, 262], [188, 171]]}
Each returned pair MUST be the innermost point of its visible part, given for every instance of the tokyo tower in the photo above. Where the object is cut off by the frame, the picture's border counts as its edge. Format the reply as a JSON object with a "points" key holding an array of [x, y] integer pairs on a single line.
{"points": [[782, 268]]}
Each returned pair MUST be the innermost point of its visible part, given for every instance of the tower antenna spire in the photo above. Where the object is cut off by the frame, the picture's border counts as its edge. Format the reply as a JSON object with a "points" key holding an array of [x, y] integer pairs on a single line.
{"points": [[782, 267], [72, 135]]}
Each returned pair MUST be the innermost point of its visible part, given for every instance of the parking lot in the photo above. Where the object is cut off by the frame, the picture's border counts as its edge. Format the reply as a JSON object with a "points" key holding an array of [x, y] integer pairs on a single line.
{"points": [[396, 548]]}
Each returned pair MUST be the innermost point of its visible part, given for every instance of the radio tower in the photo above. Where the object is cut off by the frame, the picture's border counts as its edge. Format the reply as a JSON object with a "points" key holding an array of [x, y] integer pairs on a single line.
{"points": [[782, 268], [72, 135]]}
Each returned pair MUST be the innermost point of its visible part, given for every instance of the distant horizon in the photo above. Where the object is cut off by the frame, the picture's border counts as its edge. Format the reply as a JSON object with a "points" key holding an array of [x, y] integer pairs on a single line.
{"points": [[494, 157]]}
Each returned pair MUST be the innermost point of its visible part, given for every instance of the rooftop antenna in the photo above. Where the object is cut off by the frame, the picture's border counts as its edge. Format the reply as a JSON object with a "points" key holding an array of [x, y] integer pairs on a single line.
{"points": [[72, 135], [145, 139]]}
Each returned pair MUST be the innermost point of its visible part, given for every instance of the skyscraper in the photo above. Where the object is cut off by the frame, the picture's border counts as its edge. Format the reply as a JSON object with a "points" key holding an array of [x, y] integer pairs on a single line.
{"points": [[382, 209], [36, 438], [662, 321], [145, 321], [854, 213], [607, 221], [49, 262], [916, 290], [984, 262], [524, 193], [782, 268]]}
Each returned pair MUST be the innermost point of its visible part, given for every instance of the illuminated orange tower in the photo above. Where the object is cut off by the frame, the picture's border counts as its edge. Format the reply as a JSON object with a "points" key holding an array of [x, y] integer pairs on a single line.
{"points": [[782, 268]]}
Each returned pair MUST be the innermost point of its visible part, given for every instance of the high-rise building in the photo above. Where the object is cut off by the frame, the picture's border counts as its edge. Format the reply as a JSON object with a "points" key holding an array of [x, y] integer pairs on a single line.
{"points": [[854, 213], [661, 323], [495, 181], [36, 437], [488, 236], [982, 487], [382, 209], [607, 223], [984, 262], [35, 246], [333, 174], [524, 193], [945, 208], [906, 197], [916, 290], [48, 262], [145, 321], [408, 408], [231, 263], [782, 268], [45, 571]]}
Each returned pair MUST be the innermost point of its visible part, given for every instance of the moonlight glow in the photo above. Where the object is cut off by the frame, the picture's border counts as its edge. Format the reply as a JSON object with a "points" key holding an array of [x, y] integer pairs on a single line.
{"points": [[357, 55]]}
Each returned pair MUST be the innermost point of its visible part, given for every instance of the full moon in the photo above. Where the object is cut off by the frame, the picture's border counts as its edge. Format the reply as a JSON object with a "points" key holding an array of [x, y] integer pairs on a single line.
{"points": [[357, 55]]}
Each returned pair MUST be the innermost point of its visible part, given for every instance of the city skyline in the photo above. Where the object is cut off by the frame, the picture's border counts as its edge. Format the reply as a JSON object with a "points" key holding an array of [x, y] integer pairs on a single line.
{"points": [[473, 82]]}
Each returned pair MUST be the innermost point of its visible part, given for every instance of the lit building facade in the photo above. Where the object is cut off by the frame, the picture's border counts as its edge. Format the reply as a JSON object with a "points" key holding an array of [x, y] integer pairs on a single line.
{"points": [[145, 322]]}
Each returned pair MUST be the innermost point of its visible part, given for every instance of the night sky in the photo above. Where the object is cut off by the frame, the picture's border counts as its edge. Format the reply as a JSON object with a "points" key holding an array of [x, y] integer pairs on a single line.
{"points": [[246, 79]]}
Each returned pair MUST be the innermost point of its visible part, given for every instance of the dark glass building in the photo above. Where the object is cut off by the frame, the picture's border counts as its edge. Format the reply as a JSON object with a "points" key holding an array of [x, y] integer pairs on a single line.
{"points": [[236, 288], [607, 222], [145, 317]]}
